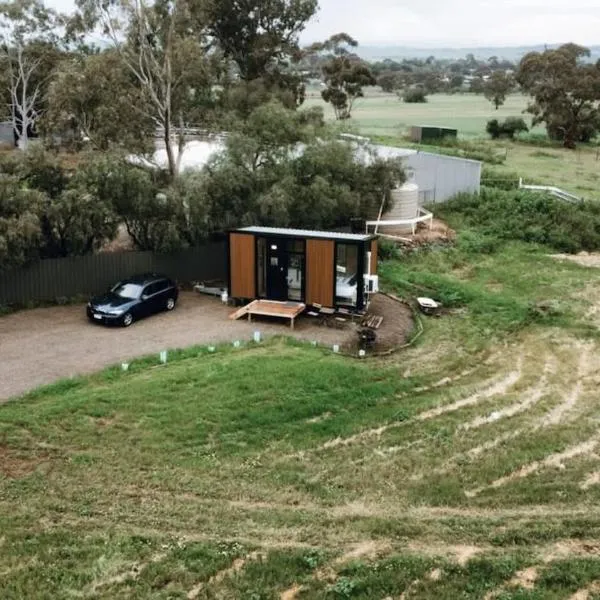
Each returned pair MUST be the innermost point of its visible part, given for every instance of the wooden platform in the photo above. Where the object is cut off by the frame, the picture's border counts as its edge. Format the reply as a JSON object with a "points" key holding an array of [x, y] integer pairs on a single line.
{"points": [[270, 308]]}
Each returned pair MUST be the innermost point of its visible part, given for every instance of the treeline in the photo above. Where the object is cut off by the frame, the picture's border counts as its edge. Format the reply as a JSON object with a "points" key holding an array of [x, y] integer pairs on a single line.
{"points": [[278, 169], [164, 69], [439, 76]]}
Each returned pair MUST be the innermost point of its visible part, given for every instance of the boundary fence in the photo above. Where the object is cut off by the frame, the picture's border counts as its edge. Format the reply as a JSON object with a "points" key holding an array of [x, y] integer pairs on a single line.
{"points": [[53, 279]]}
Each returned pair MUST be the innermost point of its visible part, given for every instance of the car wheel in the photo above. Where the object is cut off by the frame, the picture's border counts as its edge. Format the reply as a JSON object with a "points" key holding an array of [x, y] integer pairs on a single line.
{"points": [[170, 305], [127, 319]]}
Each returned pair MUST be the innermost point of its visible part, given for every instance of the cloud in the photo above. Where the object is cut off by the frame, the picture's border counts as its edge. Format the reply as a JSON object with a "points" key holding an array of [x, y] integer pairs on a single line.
{"points": [[458, 23]]}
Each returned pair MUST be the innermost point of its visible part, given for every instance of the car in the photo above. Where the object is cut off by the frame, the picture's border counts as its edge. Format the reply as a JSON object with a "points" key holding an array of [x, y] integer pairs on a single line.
{"points": [[132, 299]]}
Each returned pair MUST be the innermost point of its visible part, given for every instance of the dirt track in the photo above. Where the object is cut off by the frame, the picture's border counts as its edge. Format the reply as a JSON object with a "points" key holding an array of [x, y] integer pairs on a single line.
{"points": [[42, 345]]}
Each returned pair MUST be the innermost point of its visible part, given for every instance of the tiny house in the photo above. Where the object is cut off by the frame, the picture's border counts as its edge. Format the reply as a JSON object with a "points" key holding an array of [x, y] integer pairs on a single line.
{"points": [[312, 267]]}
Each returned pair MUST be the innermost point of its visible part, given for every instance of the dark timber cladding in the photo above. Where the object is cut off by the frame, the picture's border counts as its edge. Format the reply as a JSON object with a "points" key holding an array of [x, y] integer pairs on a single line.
{"points": [[319, 267], [241, 265]]}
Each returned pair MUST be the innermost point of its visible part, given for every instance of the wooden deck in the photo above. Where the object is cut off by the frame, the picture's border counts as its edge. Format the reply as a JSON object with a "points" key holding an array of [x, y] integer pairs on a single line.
{"points": [[270, 308]]}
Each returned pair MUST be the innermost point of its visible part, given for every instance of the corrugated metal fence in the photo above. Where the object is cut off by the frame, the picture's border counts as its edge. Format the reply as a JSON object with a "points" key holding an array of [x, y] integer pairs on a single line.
{"points": [[52, 279]]}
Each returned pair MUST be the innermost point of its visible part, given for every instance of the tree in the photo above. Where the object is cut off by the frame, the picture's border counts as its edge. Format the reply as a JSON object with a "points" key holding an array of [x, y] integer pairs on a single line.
{"points": [[456, 82], [509, 128], [76, 223], [139, 197], [477, 85], [161, 46], [387, 81], [19, 224], [96, 98], [345, 74], [261, 38], [28, 49], [565, 92], [262, 178], [414, 95], [73, 220], [496, 88]]}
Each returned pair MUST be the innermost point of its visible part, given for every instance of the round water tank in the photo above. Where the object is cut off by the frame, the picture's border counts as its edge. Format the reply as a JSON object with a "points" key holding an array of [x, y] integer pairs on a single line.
{"points": [[405, 205]]}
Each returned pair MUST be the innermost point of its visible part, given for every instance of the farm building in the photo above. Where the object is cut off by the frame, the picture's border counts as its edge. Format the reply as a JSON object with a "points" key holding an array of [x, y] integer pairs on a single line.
{"points": [[311, 267], [425, 133], [438, 176]]}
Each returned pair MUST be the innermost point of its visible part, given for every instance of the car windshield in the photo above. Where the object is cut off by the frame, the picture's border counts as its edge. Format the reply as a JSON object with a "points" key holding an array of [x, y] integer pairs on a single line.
{"points": [[132, 291]]}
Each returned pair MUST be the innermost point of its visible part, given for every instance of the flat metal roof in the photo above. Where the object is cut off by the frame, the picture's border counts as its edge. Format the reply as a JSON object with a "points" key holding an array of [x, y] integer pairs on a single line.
{"points": [[307, 233]]}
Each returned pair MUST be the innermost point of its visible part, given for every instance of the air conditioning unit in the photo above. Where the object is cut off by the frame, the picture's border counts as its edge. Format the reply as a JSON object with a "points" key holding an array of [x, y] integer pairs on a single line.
{"points": [[371, 284]]}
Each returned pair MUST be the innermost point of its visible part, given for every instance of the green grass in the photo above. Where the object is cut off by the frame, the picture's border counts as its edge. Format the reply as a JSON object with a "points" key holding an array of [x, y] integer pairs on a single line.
{"points": [[383, 114], [387, 120], [220, 472]]}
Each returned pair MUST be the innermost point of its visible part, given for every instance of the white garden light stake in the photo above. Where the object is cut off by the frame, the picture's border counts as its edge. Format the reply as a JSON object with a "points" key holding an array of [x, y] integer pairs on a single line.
{"points": [[124, 366], [362, 353], [163, 356], [257, 337], [336, 348], [236, 344]]}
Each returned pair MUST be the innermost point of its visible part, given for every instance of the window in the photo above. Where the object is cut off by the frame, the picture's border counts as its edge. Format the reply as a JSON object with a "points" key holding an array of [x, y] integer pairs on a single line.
{"points": [[295, 269], [151, 289], [261, 261], [294, 278], [161, 286], [131, 291], [346, 274]]}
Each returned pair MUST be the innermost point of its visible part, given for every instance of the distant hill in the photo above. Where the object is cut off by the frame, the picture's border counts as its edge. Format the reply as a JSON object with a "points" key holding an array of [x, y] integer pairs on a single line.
{"points": [[374, 53]]}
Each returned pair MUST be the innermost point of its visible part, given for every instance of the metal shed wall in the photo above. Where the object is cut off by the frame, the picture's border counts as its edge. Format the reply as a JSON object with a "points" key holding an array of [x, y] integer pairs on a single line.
{"points": [[441, 177]]}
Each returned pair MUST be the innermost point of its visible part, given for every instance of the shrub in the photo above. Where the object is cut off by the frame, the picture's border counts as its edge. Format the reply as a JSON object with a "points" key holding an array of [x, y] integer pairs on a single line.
{"points": [[513, 126], [474, 242], [528, 216], [509, 128], [387, 249], [501, 180], [415, 95]]}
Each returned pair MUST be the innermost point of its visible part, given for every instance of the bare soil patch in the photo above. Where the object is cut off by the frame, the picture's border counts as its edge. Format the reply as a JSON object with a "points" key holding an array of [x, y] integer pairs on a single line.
{"points": [[584, 259], [439, 233], [525, 578], [14, 466], [395, 329]]}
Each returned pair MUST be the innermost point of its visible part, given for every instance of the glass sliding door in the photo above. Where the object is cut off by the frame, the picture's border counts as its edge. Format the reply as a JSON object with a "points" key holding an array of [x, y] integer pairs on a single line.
{"points": [[346, 274], [295, 270]]}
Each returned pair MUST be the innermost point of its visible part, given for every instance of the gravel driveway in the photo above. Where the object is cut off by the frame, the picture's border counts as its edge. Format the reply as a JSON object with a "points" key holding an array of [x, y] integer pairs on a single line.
{"points": [[42, 345]]}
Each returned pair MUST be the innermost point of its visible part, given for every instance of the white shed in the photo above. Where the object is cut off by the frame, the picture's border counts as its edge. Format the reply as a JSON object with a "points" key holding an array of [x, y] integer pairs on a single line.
{"points": [[438, 176]]}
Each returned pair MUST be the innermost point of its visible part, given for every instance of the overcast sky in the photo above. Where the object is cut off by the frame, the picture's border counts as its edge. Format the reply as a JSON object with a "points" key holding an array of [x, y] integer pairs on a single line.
{"points": [[455, 23]]}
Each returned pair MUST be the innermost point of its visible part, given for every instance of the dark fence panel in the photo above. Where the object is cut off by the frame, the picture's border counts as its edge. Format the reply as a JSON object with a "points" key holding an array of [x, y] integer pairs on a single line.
{"points": [[50, 279]]}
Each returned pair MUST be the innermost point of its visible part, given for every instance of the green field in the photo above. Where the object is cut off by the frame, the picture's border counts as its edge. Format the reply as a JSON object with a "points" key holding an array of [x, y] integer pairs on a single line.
{"points": [[384, 114], [465, 467]]}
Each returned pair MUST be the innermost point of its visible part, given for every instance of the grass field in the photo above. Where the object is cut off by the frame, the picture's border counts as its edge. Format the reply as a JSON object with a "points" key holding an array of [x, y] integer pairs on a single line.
{"points": [[384, 114], [466, 467], [577, 171]]}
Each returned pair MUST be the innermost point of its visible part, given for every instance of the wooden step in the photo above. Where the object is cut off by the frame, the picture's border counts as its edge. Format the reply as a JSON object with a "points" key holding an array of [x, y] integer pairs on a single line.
{"points": [[241, 312]]}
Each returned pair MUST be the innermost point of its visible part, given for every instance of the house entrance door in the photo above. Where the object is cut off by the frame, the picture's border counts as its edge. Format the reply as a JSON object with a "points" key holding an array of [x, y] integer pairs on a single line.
{"points": [[277, 285]]}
